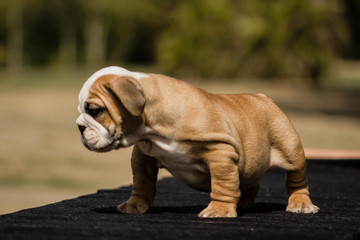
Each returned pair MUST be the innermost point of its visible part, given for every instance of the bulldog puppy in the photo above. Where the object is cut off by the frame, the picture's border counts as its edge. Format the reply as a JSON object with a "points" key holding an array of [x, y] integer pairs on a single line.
{"points": [[218, 143]]}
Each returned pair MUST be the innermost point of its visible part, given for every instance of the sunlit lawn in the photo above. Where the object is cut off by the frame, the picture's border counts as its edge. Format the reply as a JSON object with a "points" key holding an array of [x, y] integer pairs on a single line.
{"points": [[42, 159]]}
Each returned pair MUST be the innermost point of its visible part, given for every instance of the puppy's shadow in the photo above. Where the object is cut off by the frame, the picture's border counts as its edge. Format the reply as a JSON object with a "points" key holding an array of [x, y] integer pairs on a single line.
{"points": [[157, 210], [106, 210], [195, 209], [261, 207]]}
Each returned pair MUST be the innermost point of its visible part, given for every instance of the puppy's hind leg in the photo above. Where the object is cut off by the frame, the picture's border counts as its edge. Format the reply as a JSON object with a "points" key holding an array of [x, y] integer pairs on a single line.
{"points": [[287, 153], [296, 182], [222, 162], [297, 188]]}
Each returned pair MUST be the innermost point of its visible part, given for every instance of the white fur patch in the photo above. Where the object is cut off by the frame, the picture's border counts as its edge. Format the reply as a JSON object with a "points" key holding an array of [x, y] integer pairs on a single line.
{"points": [[84, 93], [175, 157], [96, 136]]}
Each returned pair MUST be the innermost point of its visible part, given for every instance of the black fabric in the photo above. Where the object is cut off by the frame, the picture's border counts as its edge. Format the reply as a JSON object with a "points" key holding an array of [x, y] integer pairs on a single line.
{"points": [[334, 187]]}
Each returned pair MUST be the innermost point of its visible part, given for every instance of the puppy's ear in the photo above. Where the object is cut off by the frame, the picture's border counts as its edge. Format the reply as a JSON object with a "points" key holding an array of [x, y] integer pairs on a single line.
{"points": [[130, 94]]}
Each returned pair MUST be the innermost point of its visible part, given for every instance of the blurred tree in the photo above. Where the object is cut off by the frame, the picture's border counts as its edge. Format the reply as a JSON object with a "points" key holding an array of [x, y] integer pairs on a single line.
{"points": [[352, 14], [41, 33], [227, 38], [14, 43], [134, 29], [200, 40], [280, 38], [295, 38], [2, 34], [95, 31], [69, 17]]}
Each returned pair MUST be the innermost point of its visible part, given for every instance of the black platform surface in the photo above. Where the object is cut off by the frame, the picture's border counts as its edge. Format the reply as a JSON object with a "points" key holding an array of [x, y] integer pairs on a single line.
{"points": [[334, 187]]}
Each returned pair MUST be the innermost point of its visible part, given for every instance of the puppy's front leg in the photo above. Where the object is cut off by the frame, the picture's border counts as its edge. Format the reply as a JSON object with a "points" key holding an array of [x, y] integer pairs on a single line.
{"points": [[144, 183], [225, 192]]}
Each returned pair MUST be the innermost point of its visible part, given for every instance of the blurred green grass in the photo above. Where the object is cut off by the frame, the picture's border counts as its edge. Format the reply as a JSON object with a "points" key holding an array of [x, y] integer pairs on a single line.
{"points": [[343, 76], [41, 154]]}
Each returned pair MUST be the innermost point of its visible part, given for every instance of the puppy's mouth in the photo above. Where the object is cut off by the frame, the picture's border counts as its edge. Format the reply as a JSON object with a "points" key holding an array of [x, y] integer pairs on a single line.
{"points": [[115, 144]]}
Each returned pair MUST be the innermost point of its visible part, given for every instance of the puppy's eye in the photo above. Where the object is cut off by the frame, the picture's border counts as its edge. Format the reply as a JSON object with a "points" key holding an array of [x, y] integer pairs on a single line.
{"points": [[94, 111]]}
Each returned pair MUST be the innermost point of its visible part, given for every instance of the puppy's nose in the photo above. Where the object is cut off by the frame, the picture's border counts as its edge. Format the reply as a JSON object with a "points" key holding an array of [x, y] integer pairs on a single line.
{"points": [[81, 128]]}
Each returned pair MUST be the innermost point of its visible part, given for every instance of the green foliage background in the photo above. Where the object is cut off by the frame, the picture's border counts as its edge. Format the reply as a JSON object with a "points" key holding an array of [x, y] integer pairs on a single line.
{"points": [[212, 38], [281, 38]]}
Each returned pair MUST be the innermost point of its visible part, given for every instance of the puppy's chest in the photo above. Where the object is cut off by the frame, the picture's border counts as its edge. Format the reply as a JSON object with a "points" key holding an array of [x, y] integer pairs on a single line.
{"points": [[168, 153], [178, 158]]}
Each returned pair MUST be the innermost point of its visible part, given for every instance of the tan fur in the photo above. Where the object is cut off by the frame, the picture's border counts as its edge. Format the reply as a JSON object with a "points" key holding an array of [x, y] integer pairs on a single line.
{"points": [[218, 143]]}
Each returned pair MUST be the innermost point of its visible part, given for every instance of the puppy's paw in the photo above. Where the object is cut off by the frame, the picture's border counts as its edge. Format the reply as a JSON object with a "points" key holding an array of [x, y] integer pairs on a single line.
{"points": [[302, 208], [301, 204], [219, 209], [134, 205]]}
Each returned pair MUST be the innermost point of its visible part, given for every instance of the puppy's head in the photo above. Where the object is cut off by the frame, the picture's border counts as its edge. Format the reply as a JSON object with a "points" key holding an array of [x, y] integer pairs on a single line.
{"points": [[111, 103]]}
